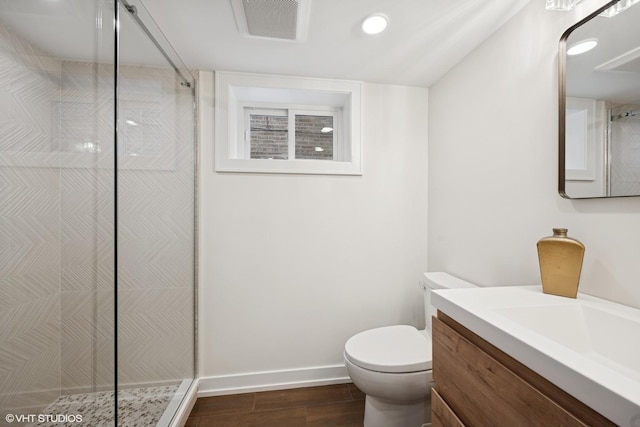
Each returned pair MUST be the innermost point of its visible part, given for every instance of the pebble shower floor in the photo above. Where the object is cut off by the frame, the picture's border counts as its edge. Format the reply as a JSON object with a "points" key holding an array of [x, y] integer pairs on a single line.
{"points": [[136, 407]]}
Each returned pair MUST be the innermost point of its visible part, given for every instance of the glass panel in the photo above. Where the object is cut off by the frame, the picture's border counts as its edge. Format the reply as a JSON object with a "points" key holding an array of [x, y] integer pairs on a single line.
{"points": [[57, 219], [155, 240], [56, 215], [269, 135], [314, 137]]}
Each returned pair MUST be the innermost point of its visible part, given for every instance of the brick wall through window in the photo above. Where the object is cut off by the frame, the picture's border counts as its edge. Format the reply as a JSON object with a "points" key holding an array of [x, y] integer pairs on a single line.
{"points": [[270, 137], [311, 142]]}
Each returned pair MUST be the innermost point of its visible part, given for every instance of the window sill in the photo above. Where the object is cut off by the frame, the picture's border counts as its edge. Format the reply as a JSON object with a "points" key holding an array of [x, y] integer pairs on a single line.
{"points": [[319, 167]]}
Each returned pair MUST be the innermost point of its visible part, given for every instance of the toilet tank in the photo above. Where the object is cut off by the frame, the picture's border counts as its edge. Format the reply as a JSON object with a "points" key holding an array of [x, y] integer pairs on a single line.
{"points": [[438, 280]]}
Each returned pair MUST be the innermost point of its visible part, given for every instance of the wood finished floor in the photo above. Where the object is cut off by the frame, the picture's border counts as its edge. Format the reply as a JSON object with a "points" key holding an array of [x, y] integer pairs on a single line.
{"points": [[333, 405]]}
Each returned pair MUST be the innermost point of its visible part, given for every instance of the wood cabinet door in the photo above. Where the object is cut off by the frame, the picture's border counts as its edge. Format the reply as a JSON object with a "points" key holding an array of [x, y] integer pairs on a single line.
{"points": [[482, 391], [441, 414]]}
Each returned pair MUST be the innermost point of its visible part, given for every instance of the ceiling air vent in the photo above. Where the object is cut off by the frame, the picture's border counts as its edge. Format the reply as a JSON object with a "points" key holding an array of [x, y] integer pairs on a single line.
{"points": [[274, 19]]}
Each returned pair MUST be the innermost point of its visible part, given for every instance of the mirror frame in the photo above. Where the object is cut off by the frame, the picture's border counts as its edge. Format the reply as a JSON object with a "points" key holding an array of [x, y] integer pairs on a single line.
{"points": [[562, 98]]}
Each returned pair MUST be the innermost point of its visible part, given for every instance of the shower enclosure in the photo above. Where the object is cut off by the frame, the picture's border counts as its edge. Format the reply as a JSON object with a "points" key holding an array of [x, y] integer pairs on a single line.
{"points": [[97, 216]]}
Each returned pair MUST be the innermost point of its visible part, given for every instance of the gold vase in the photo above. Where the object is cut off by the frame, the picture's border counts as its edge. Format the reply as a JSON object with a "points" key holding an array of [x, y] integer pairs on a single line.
{"points": [[560, 263]]}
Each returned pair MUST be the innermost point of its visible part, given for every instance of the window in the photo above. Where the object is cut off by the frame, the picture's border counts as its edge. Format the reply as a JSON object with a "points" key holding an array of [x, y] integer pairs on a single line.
{"points": [[313, 136], [287, 125], [316, 136], [266, 134]]}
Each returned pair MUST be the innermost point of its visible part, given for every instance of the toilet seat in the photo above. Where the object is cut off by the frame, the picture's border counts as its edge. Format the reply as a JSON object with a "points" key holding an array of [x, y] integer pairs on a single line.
{"points": [[390, 349]]}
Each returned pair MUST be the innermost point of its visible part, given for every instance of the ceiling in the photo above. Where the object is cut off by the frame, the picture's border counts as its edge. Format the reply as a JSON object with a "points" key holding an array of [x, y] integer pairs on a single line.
{"points": [[424, 39]]}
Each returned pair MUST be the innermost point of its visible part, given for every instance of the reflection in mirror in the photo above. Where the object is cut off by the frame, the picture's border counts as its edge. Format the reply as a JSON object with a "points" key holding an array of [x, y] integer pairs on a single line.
{"points": [[599, 80]]}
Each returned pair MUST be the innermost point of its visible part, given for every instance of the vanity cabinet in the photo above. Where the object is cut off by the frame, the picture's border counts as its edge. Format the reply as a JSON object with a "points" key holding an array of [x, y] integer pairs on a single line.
{"points": [[477, 384]]}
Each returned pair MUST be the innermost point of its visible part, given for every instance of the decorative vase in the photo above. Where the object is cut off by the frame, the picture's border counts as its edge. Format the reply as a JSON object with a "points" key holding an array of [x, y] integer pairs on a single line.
{"points": [[560, 260]]}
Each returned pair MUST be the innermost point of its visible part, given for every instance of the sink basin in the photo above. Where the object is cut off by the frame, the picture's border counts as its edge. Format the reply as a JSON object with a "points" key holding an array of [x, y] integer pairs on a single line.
{"points": [[587, 346], [604, 337]]}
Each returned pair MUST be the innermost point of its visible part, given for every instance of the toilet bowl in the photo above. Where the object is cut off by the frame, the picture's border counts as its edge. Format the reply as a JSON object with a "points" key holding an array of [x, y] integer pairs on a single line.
{"points": [[391, 365]]}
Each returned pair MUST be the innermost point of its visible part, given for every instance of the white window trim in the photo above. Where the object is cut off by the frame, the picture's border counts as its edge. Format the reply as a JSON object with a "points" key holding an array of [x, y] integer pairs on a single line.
{"points": [[235, 91]]}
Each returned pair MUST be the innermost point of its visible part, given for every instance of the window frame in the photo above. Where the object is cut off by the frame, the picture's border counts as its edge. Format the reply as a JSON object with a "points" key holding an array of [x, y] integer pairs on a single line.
{"points": [[237, 92]]}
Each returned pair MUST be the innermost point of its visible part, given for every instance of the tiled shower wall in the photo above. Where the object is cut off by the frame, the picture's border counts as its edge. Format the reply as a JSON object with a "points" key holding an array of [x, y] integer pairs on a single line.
{"points": [[57, 222], [156, 227], [30, 251], [625, 152], [87, 227]]}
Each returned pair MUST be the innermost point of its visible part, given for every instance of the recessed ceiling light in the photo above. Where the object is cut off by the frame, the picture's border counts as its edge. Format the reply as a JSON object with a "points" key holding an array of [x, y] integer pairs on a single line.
{"points": [[582, 46], [374, 24]]}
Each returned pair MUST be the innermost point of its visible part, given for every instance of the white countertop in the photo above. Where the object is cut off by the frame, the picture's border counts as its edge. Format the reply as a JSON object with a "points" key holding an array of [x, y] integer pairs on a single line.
{"points": [[587, 346]]}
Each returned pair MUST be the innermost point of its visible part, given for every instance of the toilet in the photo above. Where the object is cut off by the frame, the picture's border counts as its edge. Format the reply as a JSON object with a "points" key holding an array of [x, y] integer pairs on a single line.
{"points": [[392, 365]]}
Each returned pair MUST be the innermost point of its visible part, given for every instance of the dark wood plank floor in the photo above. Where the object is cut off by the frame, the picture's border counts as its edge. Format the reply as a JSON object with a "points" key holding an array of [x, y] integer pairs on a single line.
{"points": [[333, 405]]}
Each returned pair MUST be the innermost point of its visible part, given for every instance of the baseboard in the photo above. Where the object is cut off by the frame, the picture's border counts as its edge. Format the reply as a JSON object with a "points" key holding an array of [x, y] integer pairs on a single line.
{"points": [[272, 380]]}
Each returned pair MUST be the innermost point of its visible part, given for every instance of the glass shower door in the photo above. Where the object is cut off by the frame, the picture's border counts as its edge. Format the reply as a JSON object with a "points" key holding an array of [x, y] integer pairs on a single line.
{"points": [[97, 183], [155, 222], [57, 362]]}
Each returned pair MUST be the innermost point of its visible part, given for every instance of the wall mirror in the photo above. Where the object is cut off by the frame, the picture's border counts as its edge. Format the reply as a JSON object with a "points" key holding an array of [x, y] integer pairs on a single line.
{"points": [[599, 100]]}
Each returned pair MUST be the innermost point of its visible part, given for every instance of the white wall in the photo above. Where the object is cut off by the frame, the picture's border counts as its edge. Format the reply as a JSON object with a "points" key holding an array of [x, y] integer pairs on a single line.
{"points": [[493, 168], [292, 265]]}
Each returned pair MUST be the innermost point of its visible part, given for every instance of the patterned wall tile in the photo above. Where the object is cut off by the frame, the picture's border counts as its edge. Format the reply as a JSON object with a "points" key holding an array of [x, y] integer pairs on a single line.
{"points": [[156, 230], [30, 354], [155, 335], [625, 152], [87, 227], [57, 226], [29, 226], [29, 82]]}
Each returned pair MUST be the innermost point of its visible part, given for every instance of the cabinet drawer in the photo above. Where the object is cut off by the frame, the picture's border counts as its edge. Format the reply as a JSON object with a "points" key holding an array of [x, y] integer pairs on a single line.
{"points": [[441, 414], [483, 392]]}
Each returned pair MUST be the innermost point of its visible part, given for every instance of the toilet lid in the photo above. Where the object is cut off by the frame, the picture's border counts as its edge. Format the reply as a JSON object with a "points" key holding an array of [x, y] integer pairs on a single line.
{"points": [[393, 349]]}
